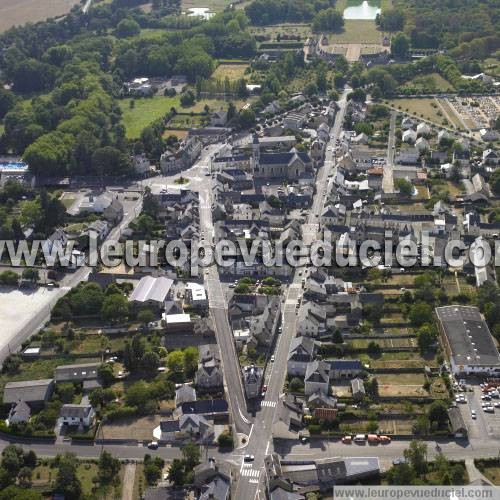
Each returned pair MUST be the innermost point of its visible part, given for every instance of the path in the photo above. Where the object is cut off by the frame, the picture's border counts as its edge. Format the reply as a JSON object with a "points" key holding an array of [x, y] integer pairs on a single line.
{"points": [[128, 482], [474, 473]]}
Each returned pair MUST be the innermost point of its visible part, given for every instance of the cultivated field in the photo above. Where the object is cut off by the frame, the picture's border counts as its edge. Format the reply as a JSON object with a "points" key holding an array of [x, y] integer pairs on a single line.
{"points": [[18, 12], [402, 384]]}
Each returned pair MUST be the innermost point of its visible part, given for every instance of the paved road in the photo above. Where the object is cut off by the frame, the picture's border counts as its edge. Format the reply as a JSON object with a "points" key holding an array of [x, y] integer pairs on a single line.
{"points": [[388, 179], [260, 441]]}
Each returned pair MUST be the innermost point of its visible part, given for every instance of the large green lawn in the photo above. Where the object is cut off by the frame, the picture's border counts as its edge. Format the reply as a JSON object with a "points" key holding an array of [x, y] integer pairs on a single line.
{"points": [[144, 112]]}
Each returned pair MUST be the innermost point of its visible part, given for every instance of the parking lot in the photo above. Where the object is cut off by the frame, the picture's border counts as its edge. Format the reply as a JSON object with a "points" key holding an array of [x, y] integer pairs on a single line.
{"points": [[486, 423]]}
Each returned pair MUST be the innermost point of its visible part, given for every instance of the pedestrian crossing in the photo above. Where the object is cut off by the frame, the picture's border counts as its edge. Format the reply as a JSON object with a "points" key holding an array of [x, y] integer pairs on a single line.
{"points": [[250, 473], [272, 404]]}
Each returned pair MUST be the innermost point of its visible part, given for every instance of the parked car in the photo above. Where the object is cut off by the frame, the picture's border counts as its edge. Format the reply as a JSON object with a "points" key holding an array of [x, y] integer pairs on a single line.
{"points": [[359, 438], [249, 458], [347, 439], [473, 414], [153, 445]]}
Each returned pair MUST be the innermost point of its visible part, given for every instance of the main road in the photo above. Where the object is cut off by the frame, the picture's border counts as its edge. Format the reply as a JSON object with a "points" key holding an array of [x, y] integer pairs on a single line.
{"points": [[260, 441]]}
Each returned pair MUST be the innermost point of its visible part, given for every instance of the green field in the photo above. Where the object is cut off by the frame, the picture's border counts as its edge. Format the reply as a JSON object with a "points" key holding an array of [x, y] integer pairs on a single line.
{"points": [[2, 128], [144, 112], [432, 82]]}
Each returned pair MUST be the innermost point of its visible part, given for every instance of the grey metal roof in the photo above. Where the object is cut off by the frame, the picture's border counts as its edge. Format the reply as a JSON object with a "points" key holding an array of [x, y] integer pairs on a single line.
{"points": [[468, 336], [83, 371], [30, 391], [150, 288]]}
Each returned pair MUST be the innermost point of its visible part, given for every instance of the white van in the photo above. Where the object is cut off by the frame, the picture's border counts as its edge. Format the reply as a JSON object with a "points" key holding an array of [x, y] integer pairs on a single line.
{"points": [[359, 438]]}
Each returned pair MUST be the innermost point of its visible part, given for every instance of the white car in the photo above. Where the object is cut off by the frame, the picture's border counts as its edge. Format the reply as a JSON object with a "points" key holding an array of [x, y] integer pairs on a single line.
{"points": [[473, 414], [489, 409]]}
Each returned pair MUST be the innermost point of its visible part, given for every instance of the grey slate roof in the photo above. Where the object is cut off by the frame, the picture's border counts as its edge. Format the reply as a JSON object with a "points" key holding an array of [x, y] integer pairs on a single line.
{"points": [[30, 391]]}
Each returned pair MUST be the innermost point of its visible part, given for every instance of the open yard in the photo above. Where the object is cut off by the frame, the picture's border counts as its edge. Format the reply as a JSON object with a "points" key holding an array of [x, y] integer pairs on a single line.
{"points": [[402, 384], [231, 71], [180, 134], [301, 30], [398, 360], [426, 108], [187, 121], [17, 12], [131, 428]]}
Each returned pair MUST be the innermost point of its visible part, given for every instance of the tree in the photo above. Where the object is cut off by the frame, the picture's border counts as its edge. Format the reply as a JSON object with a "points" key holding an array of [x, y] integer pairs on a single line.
{"points": [[426, 336], [438, 414], [191, 454], [109, 467], [371, 387], [188, 99], [337, 337], [152, 473], [404, 187], [246, 118], [115, 308], [67, 482], [127, 27], [225, 440], [401, 474], [421, 426], [374, 350], [420, 313], [17, 493], [150, 363], [400, 45], [66, 392], [137, 394], [106, 374], [328, 20], [146, 316], [190, 360], [31, 274], [416, 455], [12, 459], [24, 477], [176, 472], [296, 385], [175, 361]]}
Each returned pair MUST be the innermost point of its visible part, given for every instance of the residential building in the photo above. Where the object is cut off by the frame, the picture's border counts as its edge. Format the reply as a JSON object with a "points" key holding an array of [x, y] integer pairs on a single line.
{"points": [[317, 377], [20, 412], [81, 415], [342, 369], [169, 430], [457, 423], [209, 377], [252, 381], [184, 394], [197, 427], [302, 352], [357, 389], [196, 295], [186, 155]]}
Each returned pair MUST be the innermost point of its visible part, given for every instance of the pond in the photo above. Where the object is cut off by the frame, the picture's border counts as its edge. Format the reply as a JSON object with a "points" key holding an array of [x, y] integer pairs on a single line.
{"points": [[200, 11], [362, 10]]}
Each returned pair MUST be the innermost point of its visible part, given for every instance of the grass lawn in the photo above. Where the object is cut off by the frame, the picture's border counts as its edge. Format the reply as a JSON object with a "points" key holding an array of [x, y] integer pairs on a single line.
{"points": [[2, 128], [426, 108], [450, 114], [151, 34], [140, 428], [398, 360], [491, 66], [139, 482], [231, 71], [357, 31], [181, 134], [433, 82], [213, 5], [144, 112], [492, 472]]}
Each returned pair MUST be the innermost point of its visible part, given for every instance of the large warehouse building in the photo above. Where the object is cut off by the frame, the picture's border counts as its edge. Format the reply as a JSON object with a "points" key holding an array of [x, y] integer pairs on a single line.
{"points": [[468, 341]]}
